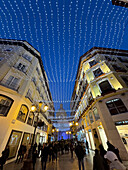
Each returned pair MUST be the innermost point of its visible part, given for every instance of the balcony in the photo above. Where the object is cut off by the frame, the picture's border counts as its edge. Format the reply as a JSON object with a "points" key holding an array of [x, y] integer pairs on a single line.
{"points": [[107, 91], [10, 85]]}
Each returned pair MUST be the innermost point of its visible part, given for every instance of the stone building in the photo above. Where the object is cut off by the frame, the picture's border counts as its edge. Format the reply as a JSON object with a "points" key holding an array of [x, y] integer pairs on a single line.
{"points": [[101, 98], [23, 82]]}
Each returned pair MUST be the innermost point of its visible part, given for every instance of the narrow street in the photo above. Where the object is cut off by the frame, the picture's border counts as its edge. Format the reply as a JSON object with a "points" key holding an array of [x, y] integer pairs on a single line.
{"points": [[64, 162]]}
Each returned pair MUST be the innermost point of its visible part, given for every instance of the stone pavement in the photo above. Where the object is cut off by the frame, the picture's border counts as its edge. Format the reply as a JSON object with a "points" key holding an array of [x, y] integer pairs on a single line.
{"points": [[64, 162]]}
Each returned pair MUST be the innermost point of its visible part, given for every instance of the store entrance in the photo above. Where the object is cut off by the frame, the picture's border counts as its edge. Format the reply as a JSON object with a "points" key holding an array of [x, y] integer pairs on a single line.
{"points": [[96, 139], [122, 128]]}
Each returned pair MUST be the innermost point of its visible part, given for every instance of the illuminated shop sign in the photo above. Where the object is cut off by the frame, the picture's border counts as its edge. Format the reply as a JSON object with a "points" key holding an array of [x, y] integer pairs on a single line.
{"points": [[125, 122]]}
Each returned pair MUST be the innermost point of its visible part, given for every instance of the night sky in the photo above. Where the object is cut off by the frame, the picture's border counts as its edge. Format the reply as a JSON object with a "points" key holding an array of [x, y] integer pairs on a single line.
{"points": [[62, 31]]}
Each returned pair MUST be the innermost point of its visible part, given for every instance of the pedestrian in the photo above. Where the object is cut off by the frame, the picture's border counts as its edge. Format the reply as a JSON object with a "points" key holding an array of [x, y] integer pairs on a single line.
{"points": [[34, 157], [44, 156], [19, 155], [50, 151], [39, 149], [4, 157], [71, 149], [102, 153], [98, 161], [87, 146], [113, 149], [27, 151], [55, 150], [80, 155], [113, 161]]}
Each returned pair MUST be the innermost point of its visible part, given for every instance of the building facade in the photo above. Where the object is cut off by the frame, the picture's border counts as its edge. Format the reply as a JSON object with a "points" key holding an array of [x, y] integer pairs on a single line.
{"points": [[23, 82], [101, 98]]}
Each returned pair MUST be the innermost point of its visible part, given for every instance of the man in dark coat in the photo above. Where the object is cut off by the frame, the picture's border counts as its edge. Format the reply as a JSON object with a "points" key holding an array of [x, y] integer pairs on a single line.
{"points": [[98, 161], [4, 157], [44, 156], [80, 153]]}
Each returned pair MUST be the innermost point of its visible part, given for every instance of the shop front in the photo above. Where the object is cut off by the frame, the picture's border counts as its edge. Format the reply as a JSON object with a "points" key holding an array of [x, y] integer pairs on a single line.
{"points": [[122, 127], [13, 143]]}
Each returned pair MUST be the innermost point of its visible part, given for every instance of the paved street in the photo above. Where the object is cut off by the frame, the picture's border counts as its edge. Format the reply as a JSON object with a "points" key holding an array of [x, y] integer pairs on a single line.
{"points": [[64, 162]]}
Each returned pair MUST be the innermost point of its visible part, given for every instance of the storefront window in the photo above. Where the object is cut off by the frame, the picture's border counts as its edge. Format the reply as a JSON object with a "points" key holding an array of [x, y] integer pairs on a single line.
{"points": [[22, 113], [5, 105], [96, 115], [26, 139], [91, 118], [13, 143], [30, 118], [87, 120], [116, 106]]}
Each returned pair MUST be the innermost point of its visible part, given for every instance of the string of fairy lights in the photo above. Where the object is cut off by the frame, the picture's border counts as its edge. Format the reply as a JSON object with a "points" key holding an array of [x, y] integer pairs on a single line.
{"points": [[62, 31]]}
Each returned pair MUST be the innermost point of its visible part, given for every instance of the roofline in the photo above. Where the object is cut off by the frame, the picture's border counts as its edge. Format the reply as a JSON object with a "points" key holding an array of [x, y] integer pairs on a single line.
{"points": [[21, 43], [113, 51]]}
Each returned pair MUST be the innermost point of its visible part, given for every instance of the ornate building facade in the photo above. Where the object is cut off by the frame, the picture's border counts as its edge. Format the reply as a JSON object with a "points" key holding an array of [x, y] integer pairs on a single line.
{"points": [[101, 98], [23, 82]]}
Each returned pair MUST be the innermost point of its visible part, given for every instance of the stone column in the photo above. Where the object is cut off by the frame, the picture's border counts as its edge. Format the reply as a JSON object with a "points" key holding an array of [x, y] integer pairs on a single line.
{"points": [[110, 129]]}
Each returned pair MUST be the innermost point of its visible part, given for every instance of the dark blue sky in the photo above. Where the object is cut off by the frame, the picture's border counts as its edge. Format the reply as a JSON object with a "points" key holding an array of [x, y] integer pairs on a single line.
{"points": [[62, 31]]}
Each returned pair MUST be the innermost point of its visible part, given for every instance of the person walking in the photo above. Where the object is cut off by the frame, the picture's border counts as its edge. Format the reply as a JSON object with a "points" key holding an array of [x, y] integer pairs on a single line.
{"points": [[98, 161], [79, 151], [44, 156], [4, 157], [113, 149], [87, 146], [71, 149], [113, 161], [34, 157], [102, 153]]}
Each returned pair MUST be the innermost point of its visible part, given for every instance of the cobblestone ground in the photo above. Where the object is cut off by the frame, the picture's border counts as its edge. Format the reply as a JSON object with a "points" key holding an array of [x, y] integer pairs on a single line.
{"points": [[64, 162]]}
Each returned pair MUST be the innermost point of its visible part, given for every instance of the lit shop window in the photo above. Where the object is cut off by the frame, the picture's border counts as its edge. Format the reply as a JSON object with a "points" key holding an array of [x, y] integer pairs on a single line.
{"points": [[96, 115], [5, 105], [13, 143], [30, 118], [22, 113], [26, 139], [91, 117], [116, 106]]}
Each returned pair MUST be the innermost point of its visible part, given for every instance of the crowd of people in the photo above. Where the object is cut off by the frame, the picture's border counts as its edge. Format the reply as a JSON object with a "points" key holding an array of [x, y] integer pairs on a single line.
{"points": [[103, 159]]}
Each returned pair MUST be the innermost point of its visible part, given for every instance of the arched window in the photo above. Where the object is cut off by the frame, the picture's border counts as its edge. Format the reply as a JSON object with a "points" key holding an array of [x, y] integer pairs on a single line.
{"points": [[116, 106], [22, 113], [5, 104]]}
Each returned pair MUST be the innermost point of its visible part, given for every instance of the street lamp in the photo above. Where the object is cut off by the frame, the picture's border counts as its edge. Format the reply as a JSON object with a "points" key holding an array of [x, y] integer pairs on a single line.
{"points": [[56, 133], [68, 132], [27, 163]]}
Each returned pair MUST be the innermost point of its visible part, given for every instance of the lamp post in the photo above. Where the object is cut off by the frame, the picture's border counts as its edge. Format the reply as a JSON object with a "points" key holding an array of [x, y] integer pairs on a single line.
{"points": [[73, 126], [55, 133], [68, 132], [28, 163]]}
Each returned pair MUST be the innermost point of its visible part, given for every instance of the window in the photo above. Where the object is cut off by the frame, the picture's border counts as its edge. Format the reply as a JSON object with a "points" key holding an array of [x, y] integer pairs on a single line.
{"points": [[34, 80], [91, 118], [87, 120], [26, 139], [22, 113], [119, 69], [106, 87], [125, 79], [98, 72], [12, 82], [13, 143], [92, 63], [22, 67], [30, 118], [116, 106], [37, 70], [5, 105], [96, 115], [125, 60], [27, 57]]}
